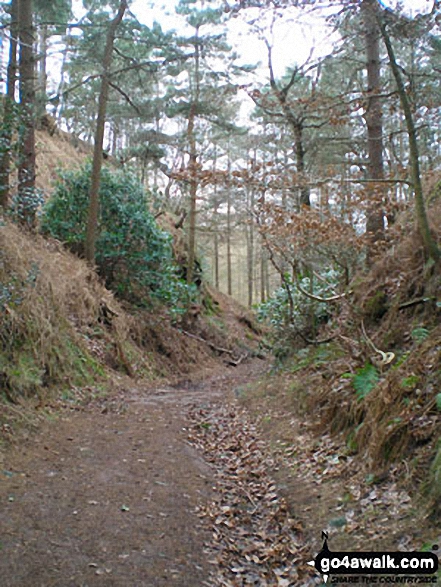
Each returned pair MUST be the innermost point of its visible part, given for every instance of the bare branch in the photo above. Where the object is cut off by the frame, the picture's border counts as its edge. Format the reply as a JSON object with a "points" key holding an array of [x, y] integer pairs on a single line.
{"points": [[125, 96], [318, 298]]}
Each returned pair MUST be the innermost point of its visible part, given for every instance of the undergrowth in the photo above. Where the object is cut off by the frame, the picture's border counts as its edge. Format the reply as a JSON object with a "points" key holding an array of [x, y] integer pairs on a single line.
{"points": [[52, 307], [134, 255], [378, 383]]}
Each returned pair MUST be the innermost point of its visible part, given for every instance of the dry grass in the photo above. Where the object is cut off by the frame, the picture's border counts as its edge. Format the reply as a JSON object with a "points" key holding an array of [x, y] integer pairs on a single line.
{"points": [[58, 151], [397, 303], [395, 307], [61, 327], [51, 306]]}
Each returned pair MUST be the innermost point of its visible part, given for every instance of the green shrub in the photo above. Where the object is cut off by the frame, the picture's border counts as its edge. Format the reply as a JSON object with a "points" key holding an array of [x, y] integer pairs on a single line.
{"points": [[292, 313], [25, 206], [365, 379], [133, 254]]}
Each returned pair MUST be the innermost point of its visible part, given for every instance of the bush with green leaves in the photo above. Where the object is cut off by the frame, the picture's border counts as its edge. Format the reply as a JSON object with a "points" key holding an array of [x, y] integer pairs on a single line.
{"points": [[291, 313], [25, 206], [133, 254]]}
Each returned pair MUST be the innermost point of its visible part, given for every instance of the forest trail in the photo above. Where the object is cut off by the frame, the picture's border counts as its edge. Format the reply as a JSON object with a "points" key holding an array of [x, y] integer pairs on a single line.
{"points": [[107, 493]]}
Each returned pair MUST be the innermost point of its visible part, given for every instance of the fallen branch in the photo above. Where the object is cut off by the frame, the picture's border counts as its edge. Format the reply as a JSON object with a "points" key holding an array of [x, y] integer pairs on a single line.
{"points": [[317, 342], [210, 344], [411, 303], [236, 362]]}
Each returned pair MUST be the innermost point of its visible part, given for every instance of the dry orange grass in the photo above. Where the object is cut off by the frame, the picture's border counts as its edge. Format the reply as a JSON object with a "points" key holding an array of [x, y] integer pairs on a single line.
{"points": [[397, 303], [51, 305], [55, 152]]}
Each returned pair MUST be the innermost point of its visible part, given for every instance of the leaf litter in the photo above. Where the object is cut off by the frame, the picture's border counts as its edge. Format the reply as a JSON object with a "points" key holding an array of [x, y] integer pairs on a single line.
{"points": [[255, 540]]}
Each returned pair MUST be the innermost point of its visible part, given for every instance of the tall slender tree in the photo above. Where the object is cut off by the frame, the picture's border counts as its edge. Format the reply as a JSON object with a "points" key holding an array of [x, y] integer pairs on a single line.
{"points": [[9, 106], [51, 18], [430, 244], [92, 219], [374, 121], [27, 156], [193, 154]]}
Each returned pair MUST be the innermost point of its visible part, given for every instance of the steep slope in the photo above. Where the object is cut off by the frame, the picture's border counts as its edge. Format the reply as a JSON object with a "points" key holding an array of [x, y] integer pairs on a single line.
{"points": [[57, 149], [62, 330], [356, 422]]}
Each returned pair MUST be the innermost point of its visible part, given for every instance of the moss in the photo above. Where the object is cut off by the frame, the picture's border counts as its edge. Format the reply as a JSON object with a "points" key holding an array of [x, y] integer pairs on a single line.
{"points": [[20, 373], [400, 360], [409, 383], [81, 366], [376, 306], [211, 306], [435, 477], [396, 441], [318, 356], [351, 443], [217, 323], [142, 364]]}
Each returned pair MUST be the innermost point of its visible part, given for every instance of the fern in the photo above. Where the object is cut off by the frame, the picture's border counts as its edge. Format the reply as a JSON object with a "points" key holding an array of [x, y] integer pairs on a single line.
{"points": [[365, 380], [419, 334]]}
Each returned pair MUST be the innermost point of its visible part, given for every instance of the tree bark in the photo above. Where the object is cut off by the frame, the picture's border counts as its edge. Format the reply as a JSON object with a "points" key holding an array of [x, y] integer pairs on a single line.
{"points": [[92, 219], [297, 125], [26, 166], [216, 251], [305, 192], [215, 224], [59, 103], [42, 69], [250, 247], [8, 111], [430, 245], [229, 264], [263, 263], [193, 197], [193, 164], [373, 116]]}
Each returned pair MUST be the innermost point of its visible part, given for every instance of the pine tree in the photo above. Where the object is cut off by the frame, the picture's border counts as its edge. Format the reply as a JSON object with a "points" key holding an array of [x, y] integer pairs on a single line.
{"points": [[27, 156], [92, 219]]}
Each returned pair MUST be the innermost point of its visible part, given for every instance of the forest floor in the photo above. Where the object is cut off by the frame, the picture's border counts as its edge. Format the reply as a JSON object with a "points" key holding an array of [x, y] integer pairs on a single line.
{"points": [[107, 493], [171, 485]]}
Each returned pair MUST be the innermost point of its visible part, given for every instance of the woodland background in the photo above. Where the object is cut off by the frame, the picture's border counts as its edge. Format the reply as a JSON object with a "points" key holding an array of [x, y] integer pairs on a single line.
{"points": [[311, 197]]}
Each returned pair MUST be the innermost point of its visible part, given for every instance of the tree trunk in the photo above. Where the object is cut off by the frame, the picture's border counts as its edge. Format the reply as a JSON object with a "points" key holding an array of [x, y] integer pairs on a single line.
{"points": [[297, 125], [263, 262], [59, 103], [216, 251], [193, 196], [374, 123], [305, 192], [193, 164], [42, 69], [430, 245], [229, 269], [8, 111], [26, 166], [250, 247], [215, 224], [92, 219]]}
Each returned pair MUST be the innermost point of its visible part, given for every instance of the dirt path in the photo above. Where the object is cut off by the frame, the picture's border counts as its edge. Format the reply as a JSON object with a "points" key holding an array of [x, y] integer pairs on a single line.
{"points": [[107, 495]]}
